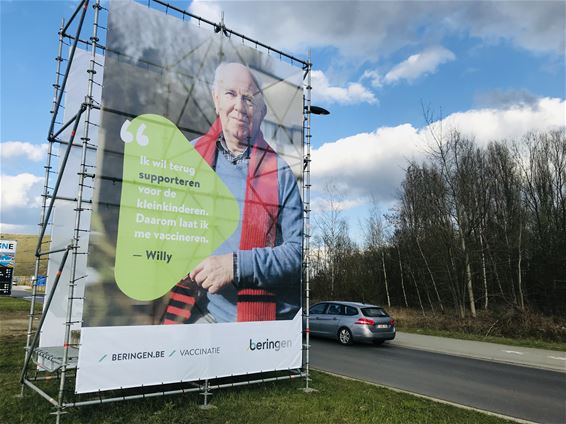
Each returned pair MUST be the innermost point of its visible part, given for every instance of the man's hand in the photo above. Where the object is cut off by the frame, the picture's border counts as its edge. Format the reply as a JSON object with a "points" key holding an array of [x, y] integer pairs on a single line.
{"points": [[214, 273]]}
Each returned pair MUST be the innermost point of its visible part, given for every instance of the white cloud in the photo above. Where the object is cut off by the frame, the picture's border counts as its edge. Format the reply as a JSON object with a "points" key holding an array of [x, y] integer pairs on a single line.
{"points": [[373, 163], [14, 149], [510, 123], [505, 98], [425, 62], [352, 93], [370, 29], [20, 202], [20, 191], [368, 162], [533, 25], [375, 78], [320, 204], [211, 10]]}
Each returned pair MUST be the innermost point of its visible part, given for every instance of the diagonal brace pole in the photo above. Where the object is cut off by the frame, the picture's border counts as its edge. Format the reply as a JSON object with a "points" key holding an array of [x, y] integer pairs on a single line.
{"points": [[77, 119], [84, 4]]}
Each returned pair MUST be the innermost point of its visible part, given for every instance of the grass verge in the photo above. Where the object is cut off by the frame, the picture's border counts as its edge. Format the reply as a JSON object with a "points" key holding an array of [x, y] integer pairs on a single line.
{"points": [[509, 327], [337, 400], [534, 343]]}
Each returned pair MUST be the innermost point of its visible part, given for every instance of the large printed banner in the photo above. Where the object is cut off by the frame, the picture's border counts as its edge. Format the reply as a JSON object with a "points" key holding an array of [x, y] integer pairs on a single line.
{"points": [[195, 252], [7, 262]]}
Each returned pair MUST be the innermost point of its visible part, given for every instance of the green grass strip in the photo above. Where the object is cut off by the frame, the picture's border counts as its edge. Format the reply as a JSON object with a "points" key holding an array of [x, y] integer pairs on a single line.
{"points": [[337, 400]]}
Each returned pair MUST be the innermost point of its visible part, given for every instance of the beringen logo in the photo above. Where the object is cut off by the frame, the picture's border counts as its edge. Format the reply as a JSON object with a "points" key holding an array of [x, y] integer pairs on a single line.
{"points": [[270, 345]]}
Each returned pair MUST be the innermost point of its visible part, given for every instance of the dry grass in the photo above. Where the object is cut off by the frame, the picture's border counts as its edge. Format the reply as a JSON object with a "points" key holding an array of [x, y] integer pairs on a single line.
{"points": [[528, 327], [14, 316], [25, 253]]}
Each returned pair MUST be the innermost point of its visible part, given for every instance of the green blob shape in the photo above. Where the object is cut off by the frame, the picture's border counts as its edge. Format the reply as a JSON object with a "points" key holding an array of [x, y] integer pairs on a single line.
{"points": [[174, 209]]}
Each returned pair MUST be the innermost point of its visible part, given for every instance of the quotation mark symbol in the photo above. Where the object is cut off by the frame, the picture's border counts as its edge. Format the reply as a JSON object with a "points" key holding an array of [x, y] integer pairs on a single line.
{"points": [[128, 137]]}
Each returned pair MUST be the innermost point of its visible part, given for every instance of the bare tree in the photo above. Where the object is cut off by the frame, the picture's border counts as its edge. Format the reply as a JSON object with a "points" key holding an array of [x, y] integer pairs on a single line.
{"points": [[457, 159], [376, 243], [333, 234]]}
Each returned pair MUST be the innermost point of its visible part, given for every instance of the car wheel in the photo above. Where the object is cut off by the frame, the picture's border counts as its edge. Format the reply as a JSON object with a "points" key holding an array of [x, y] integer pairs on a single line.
{"points": [[345, 336], [378, 342]]}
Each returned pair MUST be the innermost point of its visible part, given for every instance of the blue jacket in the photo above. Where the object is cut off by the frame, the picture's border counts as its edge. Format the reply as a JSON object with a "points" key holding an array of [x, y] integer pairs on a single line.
{"points": [[277, 269]]}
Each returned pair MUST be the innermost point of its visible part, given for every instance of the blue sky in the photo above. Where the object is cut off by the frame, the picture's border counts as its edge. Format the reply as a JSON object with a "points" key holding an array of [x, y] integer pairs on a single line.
{"points": [[494, 69]]}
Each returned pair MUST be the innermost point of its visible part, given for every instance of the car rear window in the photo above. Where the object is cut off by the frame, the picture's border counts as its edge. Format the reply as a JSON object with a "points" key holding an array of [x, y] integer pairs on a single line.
{"points": [[374, 312]]}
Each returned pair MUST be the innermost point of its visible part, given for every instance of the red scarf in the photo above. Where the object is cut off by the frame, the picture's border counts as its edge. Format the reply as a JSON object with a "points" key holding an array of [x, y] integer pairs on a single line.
{"points": [[259, 228]]}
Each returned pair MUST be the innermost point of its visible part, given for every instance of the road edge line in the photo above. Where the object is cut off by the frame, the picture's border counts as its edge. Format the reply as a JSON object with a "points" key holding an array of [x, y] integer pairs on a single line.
{"points": [[438, 400]]}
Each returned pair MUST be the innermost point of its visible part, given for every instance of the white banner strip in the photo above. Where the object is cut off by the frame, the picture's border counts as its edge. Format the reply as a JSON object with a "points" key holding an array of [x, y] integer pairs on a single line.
{"points": [[124, 357]]}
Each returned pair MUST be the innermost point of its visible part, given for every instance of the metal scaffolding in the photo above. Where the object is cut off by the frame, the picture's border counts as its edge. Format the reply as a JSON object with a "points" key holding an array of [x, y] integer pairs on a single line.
{"points": [[60, 363]]}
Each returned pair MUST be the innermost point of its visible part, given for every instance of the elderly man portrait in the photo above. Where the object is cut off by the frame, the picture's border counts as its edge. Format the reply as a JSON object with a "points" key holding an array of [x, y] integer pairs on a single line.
{"points": [[255, 274]]}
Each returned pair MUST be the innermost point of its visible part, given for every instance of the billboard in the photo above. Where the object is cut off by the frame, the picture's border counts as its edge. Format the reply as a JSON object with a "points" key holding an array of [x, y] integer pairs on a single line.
{"points": [[195, 251], [7, 263]]}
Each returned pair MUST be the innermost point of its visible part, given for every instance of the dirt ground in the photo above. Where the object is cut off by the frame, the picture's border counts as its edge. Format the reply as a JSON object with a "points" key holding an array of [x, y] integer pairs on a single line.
{"points": [[13, 326]]}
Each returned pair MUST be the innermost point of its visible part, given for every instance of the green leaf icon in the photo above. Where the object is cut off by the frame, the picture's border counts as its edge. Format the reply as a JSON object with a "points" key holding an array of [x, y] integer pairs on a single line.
{"points": [[174, 210]]}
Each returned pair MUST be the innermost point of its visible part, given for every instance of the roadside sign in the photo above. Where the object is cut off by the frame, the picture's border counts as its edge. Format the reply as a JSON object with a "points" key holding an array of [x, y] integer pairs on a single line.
{"points": [[7, 262]]}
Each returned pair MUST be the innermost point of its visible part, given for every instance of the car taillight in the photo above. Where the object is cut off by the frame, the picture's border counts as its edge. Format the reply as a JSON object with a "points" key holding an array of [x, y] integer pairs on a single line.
{"points": [[391, 322], [365, 321]]}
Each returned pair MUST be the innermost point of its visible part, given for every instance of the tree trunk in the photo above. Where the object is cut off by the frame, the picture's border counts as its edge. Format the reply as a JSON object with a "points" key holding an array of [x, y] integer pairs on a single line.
{"points": [[519, 274], [332, 278], [495, 271], [484, 274], [457, 288], [469, 282], [401, 273], [418, 293], [385, 278], [453, 292], [429, 300], [513, 292], [430, 274]]}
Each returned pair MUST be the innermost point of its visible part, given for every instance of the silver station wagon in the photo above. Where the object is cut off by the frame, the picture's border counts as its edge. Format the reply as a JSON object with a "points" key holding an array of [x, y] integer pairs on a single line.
{"points": [[350, 322]]}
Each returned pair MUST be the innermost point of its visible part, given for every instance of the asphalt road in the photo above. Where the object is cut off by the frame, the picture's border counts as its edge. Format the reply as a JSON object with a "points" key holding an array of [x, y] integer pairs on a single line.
{"points": [[515, 391], [25, 294]]}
